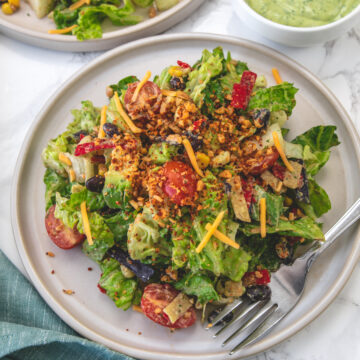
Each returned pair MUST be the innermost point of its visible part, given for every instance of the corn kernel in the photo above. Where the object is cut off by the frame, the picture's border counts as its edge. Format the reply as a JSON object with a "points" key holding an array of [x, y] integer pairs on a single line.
{"points": [[203, 160], [16, 3], [288, 201], [102, 169], [175, 71], [6, 9]]}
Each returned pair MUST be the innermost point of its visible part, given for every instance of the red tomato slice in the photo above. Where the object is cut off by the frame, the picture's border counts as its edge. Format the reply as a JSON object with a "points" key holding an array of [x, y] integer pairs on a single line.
{"points": [[149, 99], [61, 235], [180, 182], [155, 299]]}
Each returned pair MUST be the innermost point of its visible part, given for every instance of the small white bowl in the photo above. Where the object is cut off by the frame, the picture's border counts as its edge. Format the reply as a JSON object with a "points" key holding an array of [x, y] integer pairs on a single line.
{"points": [[291, 35]]}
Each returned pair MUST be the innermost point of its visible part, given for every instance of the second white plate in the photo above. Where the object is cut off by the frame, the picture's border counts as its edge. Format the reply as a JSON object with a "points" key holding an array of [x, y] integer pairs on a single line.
{"points": [[26, 27]]}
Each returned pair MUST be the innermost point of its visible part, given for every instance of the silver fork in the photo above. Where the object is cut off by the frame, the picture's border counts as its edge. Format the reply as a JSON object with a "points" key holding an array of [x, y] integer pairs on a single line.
{"points": [[255, 320]]}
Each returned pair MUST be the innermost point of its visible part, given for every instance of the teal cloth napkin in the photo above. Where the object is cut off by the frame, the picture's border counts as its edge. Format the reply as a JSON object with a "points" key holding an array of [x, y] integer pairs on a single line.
{"points": [[30, 330]]}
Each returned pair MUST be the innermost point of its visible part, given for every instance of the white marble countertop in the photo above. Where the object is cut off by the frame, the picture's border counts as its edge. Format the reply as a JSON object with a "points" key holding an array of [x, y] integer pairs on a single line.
{"points": [[30, 75]]}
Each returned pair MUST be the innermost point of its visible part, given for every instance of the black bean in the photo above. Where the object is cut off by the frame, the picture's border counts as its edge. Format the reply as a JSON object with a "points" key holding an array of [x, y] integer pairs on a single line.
{"points": [[107, 212], [261, 117], [77, 136], [177, 83], [110, 129], [258, 292], [142, 271], [215, 313], [95, 183]]}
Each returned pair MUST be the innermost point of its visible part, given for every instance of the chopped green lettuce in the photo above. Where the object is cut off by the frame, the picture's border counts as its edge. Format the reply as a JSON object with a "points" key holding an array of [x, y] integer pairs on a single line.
{"points": [[162, 152], [198, 285], [50, 155], [91, 17], [319, 199], [274, 205], [316, 142], [119, 224], [146, 238], [275, 98], [84, 119], [211, 65], [94, 201], [55, 183], [304, 227], [103, 238], [121, 290], [117, 190], [163, 80], [123, 84]]}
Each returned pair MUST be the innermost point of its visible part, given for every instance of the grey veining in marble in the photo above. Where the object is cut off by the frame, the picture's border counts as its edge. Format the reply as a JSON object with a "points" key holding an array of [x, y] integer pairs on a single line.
{"points": [[30, 75]]}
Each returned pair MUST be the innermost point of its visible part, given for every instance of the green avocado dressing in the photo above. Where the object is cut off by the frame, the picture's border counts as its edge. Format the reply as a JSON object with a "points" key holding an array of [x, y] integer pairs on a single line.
{"points": [[303, 13]]}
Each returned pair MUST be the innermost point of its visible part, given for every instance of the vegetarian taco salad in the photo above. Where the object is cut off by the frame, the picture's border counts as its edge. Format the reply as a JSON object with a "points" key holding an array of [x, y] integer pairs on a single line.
{"points": [[185, 189]]}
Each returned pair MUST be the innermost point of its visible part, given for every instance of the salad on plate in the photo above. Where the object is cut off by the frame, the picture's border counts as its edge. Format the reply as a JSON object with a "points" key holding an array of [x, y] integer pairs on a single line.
{"points": [[186, 189]]}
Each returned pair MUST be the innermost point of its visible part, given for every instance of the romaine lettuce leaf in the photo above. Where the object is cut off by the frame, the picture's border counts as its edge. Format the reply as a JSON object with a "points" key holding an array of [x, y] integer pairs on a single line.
{"points": [[198, 285], [90, 18], [319, 199], [123, 84], [211, 65], [119, 224], [316, 142], [121, 290], [103, 238], [94, 201], [55, 183], [274, 205], [84, 119], [275, 98], [304, 227], [146, 238], [163, 80], [66, 213], [50, 155]]}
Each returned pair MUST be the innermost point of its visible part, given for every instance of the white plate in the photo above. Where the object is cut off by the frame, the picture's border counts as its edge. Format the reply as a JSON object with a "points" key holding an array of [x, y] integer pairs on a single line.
{"points": [[26, 27], [93, 314]]}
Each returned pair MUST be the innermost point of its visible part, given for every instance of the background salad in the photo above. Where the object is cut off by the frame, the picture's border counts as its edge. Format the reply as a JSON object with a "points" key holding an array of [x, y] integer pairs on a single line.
{"points": [[142, 183]]}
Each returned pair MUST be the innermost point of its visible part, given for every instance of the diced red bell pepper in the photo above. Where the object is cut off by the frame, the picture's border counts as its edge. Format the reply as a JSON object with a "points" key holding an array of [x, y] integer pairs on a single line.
{"points": [[248, 190], [278, 171], [197, 124], [258, 277], [184, 65], [241, 92], [86, 148]]}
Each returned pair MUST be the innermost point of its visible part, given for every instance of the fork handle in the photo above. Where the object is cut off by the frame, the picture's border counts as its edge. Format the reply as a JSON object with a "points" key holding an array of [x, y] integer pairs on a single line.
{"points": [[349, 218]]}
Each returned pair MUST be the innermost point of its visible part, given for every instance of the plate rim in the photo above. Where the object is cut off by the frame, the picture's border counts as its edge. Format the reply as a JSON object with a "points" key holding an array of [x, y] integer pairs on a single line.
{"points": [[81, 328], [7, 27]]}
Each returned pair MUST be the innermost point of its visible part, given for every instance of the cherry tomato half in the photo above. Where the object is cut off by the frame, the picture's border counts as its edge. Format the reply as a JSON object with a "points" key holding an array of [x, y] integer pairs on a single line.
{"points": [[62, 236], [155, 299], [180, 182]]}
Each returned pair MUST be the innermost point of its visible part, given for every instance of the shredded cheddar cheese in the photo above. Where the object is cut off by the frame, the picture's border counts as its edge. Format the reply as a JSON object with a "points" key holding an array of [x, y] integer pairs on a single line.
{"points": [[62, 31], [86, 223], [192, 157], [276, 76], [101, 133], [137, 308], [78, 4], [223, 238], [125, 116], [263, 217], [210, 232], [281, 151], [140, 85], [64, 159], [72, 175]]}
